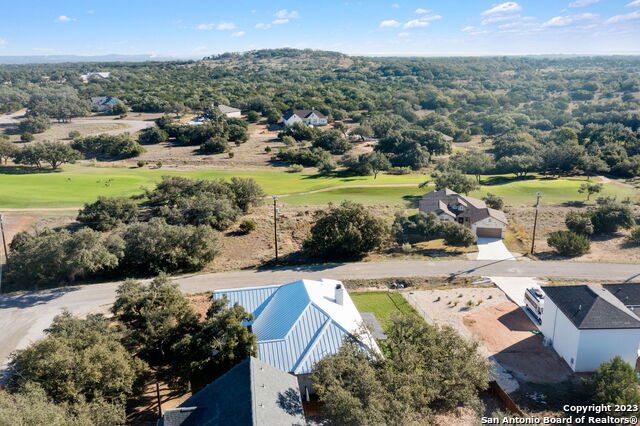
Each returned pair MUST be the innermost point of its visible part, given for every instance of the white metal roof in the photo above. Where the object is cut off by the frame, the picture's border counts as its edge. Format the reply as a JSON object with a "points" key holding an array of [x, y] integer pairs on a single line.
{"points": [[299, 323]]}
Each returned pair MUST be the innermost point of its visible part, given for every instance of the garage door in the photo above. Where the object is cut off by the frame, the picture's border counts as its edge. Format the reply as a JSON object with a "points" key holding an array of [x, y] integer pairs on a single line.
{"points": [[489, 232]]}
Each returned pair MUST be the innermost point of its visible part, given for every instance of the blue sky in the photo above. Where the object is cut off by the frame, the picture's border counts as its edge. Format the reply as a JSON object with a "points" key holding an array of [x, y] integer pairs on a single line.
{"points": [[428, 27]]}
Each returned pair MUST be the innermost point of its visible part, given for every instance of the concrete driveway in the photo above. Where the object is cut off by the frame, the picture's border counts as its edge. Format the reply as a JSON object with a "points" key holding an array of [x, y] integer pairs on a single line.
{"points": [[514, 288], [493, 249]]}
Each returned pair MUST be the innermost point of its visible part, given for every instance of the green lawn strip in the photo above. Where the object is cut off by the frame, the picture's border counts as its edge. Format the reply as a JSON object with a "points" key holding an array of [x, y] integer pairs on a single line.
{"points": [[382, 304], [389, 195]]}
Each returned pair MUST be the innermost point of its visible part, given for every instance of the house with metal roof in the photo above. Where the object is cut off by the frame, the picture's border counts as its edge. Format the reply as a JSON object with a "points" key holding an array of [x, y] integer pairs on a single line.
{"points": [[590, 324], [299, 323], [103, 103], [230, 111], [450, 206], [310, 117], [250, 394]]}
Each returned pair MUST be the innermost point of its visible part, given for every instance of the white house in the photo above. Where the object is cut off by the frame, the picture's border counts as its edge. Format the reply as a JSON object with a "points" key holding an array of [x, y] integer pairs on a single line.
{"points": [[94, 76], [230, 112], [299, 323], [310, 117], [590, 324], [450, 206]]}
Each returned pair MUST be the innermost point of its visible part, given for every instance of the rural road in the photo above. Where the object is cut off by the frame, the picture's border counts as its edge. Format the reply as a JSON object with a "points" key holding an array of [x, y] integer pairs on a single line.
{"points": [[24, 316]]}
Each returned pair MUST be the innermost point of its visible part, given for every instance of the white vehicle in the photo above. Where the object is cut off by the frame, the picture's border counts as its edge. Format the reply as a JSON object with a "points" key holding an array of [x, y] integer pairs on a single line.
{"points": [[534, 301]]}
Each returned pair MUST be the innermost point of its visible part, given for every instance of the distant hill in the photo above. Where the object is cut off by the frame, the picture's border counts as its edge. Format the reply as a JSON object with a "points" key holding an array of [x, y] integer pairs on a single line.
{"points": [[279, 58], [57, 59]]}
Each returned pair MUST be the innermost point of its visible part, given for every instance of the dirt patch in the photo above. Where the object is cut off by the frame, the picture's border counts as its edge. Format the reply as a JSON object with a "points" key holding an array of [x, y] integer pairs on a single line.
{"points": [[16, 222], [506, 332], [201, 303], [143, 410]]}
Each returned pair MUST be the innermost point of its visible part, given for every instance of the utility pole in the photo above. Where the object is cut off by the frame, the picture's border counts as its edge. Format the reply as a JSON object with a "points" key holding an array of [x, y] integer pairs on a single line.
{"points": [[275, 224], [4, 243], [535, 221]]}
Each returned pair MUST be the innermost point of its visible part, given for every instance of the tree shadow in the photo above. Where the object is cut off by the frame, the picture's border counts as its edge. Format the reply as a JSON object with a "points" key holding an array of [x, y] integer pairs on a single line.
{"points": [[576, 204], [25, 170], [32, 298], [413, 200], [501, 180], [290, 402]]}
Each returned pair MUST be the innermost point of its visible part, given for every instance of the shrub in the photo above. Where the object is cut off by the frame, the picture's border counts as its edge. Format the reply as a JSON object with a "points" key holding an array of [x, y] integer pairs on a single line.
{"points": [[615, 382], [215, 145], [267, 149], [611, 215], [156, 246], [458, 235], [109, 145], [140, 163], [399, 170], [306, 157], [296, 168], [343, 232], [493, 201], [332, 141], [416, 228], [219, 214], [569, 243], [634, 236], [107, 213], [60, 257], [231, 154], [580, 223], [253, 117], [74, 134], [247, 226], [27, 137], [152, 135], [34, 125]]}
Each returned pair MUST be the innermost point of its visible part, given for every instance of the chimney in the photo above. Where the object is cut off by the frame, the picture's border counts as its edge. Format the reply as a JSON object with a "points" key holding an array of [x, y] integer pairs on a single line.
{"points": [[339, 294]]}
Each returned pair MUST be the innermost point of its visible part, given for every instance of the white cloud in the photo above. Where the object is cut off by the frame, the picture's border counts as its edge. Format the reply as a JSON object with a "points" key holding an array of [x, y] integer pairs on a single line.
{"points": [[286, 14], [238, 34], [254, 10], [508, 7], [421, 11], [3, 43], [634, 3], [404, 34], [390, 23], [511, 19], [468, 29], [583, 3], [421, 22], [204, 27], [200, 48], [262, 26], [64, 18], [563, 21], [225, 26], [623, 18], [91, 12], [395, 5], [280, 21]]}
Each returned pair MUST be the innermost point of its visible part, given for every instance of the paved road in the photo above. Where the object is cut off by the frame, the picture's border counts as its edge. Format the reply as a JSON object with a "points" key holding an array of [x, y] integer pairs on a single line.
{"points": [[24, 316]]}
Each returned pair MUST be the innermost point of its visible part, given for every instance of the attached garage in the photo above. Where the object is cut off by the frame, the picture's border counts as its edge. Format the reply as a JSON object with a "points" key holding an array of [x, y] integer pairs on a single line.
{"points": [[489, 232]]}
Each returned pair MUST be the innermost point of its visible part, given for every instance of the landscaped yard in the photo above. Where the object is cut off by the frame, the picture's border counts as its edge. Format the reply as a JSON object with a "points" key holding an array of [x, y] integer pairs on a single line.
{"points": [[382, 304]]}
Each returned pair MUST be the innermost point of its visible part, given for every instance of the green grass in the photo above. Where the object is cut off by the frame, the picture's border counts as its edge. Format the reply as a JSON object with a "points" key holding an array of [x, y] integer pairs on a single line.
{"points": [[382, 304], [75, 185]]}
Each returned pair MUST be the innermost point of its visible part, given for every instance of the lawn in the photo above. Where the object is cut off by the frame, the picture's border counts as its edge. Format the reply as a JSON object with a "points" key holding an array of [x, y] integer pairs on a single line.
{"points": [[75, 185], [382, 304]]}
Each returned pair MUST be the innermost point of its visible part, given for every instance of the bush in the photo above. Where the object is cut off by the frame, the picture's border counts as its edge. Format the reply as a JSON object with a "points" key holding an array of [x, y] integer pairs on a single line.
{"points": [[634, 236], [569, 243], [219, 214], [399, 171], [611, 215], [416, 228], [332, 141], [61, 257], [493, 201], [120, 146], [74, 134], [34, 125], [154, 247], [305, 157], [344, 232], [107, 213], [267, 149], [215, 145], [247, 226], [152, 135], [27, 137], [580, 223], [253, 117], [140, 163], [296, 168], [458, 235], [615, 383]]}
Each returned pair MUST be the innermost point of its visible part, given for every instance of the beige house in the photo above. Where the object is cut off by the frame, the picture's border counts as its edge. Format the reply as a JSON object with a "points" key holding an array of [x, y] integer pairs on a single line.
{"points": [[310, 117], [450, 206], [229, 111]]}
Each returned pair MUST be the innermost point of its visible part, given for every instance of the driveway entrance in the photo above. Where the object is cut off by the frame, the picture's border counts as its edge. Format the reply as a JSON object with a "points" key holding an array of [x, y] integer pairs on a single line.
{"points": [[492, 249]]}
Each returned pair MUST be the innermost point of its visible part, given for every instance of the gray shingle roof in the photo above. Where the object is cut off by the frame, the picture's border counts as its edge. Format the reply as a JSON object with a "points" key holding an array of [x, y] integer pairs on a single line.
{"points": [[476, 209], [592, 307], [251, 393], [303, 113]]}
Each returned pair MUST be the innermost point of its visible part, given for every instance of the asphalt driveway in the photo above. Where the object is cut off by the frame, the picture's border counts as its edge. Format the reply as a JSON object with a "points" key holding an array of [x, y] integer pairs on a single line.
{"points": [[493, 249]]}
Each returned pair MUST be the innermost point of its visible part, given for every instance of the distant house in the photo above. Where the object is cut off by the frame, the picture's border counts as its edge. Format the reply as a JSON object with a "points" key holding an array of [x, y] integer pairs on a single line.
{"points": [[299, 323], [590, 324], [252, 393], [94, 76], [309, 117], [103, 103], [230, 112], [450, 206]]}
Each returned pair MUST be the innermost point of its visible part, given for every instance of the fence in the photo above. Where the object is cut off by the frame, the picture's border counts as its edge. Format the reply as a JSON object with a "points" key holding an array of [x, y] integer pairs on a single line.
{"points": [[414, 303], [504, 397]]}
